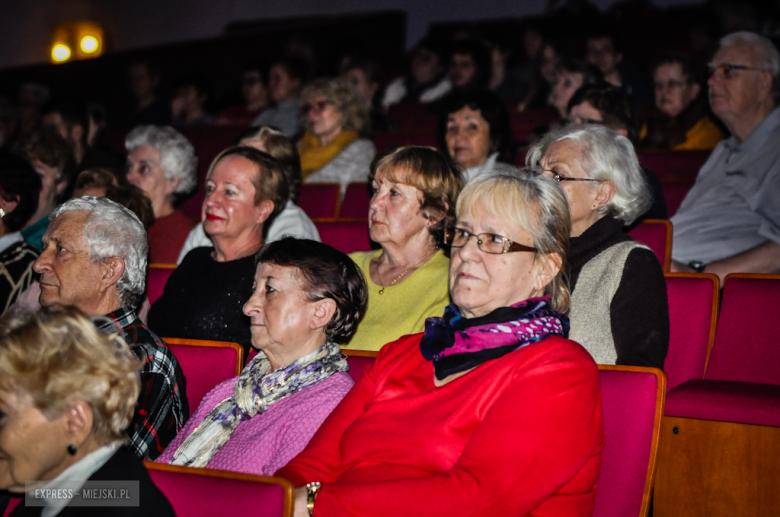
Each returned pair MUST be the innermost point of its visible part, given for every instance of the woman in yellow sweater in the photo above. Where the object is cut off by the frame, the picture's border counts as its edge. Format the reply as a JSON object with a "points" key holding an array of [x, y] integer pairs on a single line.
{"points": [[415, 190]]}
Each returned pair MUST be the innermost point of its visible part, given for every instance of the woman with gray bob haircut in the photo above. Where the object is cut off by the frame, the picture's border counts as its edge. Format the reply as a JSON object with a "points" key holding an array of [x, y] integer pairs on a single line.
{"points": [[162, 163], [619, 309], [112, 230]]}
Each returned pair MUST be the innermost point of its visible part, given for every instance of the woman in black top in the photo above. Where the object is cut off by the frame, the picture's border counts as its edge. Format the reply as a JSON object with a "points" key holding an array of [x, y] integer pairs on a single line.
{"points": [[204, 297]]}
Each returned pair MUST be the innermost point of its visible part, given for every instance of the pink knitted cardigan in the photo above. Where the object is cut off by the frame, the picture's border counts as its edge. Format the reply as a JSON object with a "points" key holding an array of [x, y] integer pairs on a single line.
{"points": [[265, 443]]}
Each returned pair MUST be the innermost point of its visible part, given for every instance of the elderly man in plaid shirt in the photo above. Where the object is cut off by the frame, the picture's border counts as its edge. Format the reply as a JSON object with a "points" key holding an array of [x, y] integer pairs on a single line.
{"points": [[94, 258]]}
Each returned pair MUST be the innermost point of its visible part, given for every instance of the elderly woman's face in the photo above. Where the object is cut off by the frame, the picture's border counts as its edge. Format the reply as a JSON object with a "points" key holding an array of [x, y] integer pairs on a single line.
{"points": [[229, 206], [482, 282], [32, 446], [394, 214], [145, 172], [673, 91], [468, 137], [565, 158], [323, 118], [283, 320]]}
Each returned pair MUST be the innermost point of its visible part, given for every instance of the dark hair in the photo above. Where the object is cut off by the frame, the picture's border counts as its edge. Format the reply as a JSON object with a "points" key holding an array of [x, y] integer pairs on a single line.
{"points": [[616, 108], [481, 56], [590, 73], [18, 182], [295, 67], [270, 182], [611, 35], [369, 67], [50, 149], [134, 199], [432, 173], [491, 108], [259, 66], [201, 85], [692, 68], [73, 113], [326, 273], [432, 45]]}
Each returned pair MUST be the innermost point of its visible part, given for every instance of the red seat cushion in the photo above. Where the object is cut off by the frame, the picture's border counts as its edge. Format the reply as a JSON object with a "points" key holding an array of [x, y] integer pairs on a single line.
{"points": [[391, 139], [356, 201], [204, 367], [656, 236], [346, 236], [726, 401], [674, 165], [747, 341], [674, 194], [628, 404], [155, 285], [319, 199]]}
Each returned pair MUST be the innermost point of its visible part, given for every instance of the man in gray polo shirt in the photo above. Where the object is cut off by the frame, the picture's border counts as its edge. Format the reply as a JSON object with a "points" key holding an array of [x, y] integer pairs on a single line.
{"points": [[730, 220]]}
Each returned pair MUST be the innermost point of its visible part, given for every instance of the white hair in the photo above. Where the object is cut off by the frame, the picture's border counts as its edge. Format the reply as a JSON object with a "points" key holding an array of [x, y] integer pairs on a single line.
{"points": [[607, 156], [112, 230], [177, 156], [767, 51]]}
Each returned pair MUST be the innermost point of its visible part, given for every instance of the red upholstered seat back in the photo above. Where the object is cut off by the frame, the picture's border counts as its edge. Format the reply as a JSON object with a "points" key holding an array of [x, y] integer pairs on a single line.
{"points": [[358, 360], [674, 194], [345, 235], [320, 199], [158, 276], [384, 141], [693, 313], [674, 165], [656, 234], [632, 405], [356, 201], [205, 364], [747, 341], [197, 492]]}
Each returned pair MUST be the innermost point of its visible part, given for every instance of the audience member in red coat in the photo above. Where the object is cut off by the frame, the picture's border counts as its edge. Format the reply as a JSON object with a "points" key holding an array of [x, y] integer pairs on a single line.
{"points": [[491, 411], [162, 162]]}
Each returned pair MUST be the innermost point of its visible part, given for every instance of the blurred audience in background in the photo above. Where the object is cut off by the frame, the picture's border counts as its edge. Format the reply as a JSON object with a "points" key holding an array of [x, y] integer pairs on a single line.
{"points": [[286, 77], [426, 81], [254, 91], [604, 49], [144, 83], [189, 105]]}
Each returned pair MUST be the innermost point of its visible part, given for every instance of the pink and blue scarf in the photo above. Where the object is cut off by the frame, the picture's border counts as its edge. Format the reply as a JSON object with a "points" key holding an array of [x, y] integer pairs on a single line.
{"points": [[456, 344]]}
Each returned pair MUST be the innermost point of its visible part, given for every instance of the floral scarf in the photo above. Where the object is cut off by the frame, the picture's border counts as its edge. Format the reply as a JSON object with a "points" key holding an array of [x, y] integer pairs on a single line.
{"points": [[456, 344], [254, 391]]}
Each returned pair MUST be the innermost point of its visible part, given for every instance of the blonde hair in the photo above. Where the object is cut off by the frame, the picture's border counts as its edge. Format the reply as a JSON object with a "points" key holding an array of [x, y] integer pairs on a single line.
{"points": [[342, 94], [534, 203], [278, 145], [60, 357]]}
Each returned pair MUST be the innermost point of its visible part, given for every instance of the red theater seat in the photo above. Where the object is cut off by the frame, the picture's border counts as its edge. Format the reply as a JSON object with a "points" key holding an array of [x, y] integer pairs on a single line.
{"points": [[656, 234], [195, 492], [205, 364], [632, 405], [158, 275], [345, 235], [356, 201], [693, 313], [673, 165], [358, 360], [674, 193], [385, 141], [413, 116], [320, 200]]}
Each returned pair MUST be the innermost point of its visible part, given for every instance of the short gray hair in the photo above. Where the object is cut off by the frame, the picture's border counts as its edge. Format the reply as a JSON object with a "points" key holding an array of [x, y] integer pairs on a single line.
{"points": [[177, 156], [112, 230], [536, 204], [607, 156], [768, 53]]}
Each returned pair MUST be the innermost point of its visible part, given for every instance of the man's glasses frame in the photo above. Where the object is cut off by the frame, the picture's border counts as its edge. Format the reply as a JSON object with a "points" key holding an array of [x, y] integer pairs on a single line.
{"points": [[726, 70], [557, 177], [484, 241]]}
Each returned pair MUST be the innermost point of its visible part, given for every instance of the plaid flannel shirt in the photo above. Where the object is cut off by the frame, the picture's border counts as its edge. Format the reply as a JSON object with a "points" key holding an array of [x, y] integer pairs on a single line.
{"points": [[162, 408]]}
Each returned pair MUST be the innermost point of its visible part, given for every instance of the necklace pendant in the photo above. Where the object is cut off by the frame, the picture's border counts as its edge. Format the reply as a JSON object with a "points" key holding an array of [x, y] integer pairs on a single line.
{"points": [[382, 291]]}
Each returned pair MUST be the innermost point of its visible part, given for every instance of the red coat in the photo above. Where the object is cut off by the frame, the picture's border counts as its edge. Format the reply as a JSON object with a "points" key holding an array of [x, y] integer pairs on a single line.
{"points": [[518, 435]]}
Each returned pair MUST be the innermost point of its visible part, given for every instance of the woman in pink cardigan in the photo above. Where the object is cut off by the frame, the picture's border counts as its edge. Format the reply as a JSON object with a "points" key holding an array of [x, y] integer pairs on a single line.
{"points": [[307, 297]]}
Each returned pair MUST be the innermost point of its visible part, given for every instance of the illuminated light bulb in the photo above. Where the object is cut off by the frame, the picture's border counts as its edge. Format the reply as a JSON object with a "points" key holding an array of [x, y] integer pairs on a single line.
{"points": [[60, 52], [89, 44]]}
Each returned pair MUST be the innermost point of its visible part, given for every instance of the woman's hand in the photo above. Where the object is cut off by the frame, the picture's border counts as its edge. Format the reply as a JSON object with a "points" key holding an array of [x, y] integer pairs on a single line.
{"points": [[299, 502]]}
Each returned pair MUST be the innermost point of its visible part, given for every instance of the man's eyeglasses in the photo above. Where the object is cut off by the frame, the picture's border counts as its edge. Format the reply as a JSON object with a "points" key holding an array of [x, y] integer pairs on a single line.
{"points": [[316, 106], [557, 177], [726, 70], [487, 242]]}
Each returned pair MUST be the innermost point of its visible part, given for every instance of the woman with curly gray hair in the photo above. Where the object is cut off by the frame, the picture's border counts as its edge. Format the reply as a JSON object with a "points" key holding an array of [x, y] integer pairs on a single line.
{"points": [[162, 162], [619, 309], [332, 149], [67, 396]]}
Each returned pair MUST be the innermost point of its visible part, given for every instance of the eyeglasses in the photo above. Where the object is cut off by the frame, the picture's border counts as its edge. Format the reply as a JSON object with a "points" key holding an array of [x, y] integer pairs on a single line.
{"points": [[316, 106], [557, 177], [726, 70], [671, 84], [487, 242]]}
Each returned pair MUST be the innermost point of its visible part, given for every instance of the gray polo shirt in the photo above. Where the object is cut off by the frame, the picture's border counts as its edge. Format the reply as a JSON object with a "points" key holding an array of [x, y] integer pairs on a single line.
{"points": [[284, 116], [735, 204]]}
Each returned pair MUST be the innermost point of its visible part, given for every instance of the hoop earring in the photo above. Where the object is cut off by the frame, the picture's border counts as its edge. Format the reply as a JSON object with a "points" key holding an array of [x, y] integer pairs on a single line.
{"points": [[72, 449]]}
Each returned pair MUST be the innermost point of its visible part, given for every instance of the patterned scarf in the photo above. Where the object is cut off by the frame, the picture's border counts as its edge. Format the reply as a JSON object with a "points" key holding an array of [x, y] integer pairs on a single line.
{"points": [[253, 393], [315, 156], [456, 344]]}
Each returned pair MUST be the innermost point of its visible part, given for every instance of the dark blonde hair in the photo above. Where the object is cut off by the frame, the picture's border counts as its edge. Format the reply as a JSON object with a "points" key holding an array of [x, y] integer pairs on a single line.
{"points": [[270, 181], [59, 357], [278, 145], [536, 204], [430, 172], [342, 94]]}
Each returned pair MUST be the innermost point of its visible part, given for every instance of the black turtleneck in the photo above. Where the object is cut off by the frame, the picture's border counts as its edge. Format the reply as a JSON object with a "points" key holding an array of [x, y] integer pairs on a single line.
{"points": [[639, 311]]}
